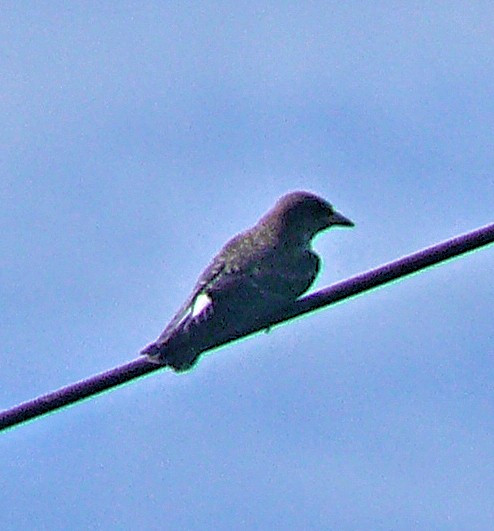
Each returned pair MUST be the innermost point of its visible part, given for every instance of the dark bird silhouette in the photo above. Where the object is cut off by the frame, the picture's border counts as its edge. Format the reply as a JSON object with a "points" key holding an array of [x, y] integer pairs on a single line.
{"points": [[258, 271]]}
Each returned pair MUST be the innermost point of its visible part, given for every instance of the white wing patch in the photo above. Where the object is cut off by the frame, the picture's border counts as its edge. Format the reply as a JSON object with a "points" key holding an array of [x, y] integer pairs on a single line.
{"points": [[203, 300]]}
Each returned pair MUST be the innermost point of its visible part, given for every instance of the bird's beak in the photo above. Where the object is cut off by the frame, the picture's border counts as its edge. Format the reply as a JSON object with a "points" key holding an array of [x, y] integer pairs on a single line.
{"points": [[339, 219]]}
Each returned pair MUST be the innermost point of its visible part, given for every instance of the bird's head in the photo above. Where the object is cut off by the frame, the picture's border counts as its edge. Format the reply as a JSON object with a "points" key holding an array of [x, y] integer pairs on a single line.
{"points": [[302, 215]]}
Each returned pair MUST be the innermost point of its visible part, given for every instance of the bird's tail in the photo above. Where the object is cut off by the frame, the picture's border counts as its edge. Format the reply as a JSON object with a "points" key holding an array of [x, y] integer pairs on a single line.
{"points": [[174, 353]]}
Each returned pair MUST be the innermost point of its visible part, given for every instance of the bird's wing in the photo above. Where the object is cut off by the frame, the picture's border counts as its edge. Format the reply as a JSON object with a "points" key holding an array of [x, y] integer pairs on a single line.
{"points": [[283, 282], [215, 269], [255, 279]]}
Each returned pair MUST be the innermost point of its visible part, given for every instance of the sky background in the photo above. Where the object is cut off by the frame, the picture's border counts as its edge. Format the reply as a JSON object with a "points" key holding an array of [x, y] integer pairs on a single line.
{"points": [[136, 138]]}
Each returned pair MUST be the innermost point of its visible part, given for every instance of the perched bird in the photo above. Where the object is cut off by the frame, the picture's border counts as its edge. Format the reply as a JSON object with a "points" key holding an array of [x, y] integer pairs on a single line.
{"points": [[258, 271]]}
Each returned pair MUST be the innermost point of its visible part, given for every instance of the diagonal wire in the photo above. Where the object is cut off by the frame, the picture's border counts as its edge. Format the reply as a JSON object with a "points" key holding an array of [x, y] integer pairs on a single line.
{"points": [[342, 290]]}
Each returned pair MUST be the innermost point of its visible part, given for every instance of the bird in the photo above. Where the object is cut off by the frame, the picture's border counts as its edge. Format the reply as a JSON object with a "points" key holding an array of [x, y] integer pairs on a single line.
{"points": [[257, 272]]}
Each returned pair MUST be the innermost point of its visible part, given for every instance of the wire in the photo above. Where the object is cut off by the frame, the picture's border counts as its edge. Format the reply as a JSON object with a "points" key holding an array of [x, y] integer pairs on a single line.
{"points": [[342, 290]]}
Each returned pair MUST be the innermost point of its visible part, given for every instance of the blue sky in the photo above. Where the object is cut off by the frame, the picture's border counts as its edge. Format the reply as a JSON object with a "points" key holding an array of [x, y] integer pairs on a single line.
{"points": [[136, 139]]}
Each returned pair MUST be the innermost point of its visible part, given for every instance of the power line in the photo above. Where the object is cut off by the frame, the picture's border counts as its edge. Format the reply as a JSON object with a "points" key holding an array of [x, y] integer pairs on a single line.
{"points": [[342, 290]]}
